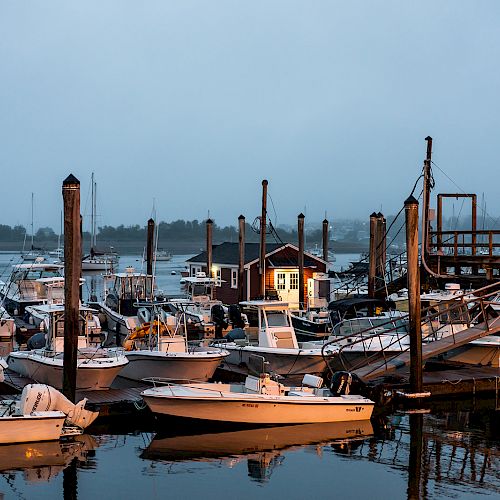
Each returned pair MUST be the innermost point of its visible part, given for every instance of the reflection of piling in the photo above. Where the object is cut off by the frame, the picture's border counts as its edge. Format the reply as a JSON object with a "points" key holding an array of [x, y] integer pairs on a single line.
{"points": [[209, 223], [411, 211], [241, 259], [70, 481], [72, 271], [300, 233], [325, 240], [149, 247], [416, 451], [262, 257]]}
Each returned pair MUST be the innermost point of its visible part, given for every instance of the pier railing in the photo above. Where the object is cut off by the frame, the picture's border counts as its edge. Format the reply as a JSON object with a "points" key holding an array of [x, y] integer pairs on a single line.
{"points": [[383, 344]]}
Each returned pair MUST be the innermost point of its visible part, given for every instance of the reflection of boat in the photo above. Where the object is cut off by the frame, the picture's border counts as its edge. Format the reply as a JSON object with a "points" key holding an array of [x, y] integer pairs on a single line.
{"points": [[224, 444], [44, 460]]}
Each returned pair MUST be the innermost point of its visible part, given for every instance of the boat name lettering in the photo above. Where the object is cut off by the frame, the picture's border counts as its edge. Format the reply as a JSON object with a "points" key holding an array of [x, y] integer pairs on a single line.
{"points": [[356, 409], [250, 405], [37, 401]]}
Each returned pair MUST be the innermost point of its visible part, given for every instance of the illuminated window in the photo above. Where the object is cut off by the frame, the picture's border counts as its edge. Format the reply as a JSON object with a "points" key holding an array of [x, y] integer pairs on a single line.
{"points": [[280, 281], [294, 281]]}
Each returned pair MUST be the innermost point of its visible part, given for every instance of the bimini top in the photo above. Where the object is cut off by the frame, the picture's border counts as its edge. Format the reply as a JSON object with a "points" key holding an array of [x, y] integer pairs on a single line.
{"points": [[37, 266], [344, 305]]}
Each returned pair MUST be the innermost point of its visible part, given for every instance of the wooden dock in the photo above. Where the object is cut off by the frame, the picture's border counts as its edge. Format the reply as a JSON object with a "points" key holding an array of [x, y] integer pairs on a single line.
{"points": [[122, 398]]}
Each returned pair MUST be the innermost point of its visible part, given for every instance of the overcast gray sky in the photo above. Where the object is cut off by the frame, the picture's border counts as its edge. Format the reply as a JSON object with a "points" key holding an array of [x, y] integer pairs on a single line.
{"points": [[193, 103]]}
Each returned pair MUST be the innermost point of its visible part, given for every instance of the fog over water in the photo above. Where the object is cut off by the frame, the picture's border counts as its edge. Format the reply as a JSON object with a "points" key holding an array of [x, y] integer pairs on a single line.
{"points": [[193, 103]]}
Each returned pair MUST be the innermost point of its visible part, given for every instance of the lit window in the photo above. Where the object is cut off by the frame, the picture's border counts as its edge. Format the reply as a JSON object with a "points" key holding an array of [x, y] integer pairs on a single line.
{"points": [[294, 281], [218, 277], [280, 281]]}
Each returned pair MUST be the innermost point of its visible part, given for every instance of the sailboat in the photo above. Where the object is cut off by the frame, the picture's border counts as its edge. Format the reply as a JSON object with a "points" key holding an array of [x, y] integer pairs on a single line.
{"points": [[33, 254], [96, 260]]}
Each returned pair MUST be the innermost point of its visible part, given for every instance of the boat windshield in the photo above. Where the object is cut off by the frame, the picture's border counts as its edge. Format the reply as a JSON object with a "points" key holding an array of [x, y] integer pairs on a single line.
{"points": [[34, 274], [277, 318]]}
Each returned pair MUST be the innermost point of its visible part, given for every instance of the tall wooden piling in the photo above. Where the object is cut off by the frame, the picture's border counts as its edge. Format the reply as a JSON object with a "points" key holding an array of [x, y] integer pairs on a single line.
{"points": [[150, 246], [72, 271], [263, 228], [300, 234], [411, 213], [209, 224], [380, 254], [325, 240], [372, 256], [241, 258]]}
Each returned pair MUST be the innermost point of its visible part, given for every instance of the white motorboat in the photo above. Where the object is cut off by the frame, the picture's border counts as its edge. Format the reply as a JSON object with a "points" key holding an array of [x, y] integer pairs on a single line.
{"points": [[162, 255], [275, 340], [96, 367], [30, 284], [159, 348], [260, 400], [42, 414], [7, 325]]}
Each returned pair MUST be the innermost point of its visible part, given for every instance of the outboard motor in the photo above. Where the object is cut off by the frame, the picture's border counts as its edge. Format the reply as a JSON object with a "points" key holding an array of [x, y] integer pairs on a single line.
{"points": [[37, 341], [235, 318], [218, 319], [344, 383]]}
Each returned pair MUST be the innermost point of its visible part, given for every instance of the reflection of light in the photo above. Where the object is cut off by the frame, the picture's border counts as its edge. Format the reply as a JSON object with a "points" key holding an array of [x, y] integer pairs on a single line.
{"points": [[32, 452]]}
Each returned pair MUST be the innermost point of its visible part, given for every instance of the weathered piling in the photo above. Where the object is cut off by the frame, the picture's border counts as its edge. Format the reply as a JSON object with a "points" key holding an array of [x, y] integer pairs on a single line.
{"points": [[149, 247], [72, 271], [262, 256], [241, 258], [380, 255], [209, 225], [300, 234], [413, 272], [372, 256], [325, 240]]}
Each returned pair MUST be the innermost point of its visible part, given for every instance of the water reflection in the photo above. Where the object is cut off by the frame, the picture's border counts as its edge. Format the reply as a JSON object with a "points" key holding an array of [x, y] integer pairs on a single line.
{"points": [[262, 447]]}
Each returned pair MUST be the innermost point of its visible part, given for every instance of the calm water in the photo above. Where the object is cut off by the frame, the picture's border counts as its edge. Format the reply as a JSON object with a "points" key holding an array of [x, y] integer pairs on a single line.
{"points": [[451, 452]]}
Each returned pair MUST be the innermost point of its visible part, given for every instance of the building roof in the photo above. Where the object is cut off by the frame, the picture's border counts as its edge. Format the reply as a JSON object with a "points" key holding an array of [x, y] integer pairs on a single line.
{"points": [[228, 253]]}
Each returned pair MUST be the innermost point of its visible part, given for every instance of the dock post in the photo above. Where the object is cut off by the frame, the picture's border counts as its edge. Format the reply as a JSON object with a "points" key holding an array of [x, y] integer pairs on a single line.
{"points": [[372, 262], [149, 247], [72, 271], [325, 240], [300, 234], [411, 213], [416, 458], [380, 254], [262, 257], [241, 259], [209, 224]]}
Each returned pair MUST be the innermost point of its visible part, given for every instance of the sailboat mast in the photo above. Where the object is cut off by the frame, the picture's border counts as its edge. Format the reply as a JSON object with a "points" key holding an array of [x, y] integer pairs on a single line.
{"points": [[92, 218], [32, 226]]}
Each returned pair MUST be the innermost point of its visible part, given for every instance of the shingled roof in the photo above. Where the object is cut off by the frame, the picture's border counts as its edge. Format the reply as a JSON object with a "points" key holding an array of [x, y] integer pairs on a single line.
{"points": [[228, 253]]}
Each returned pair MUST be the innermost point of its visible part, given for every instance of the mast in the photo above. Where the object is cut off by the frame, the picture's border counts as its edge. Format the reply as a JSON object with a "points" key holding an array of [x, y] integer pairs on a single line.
{"points": [[32, 227]]}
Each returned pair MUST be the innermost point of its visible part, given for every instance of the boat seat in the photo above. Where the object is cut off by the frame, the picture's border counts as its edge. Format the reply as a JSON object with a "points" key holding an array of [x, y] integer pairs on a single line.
{"points": [[302, 394]]}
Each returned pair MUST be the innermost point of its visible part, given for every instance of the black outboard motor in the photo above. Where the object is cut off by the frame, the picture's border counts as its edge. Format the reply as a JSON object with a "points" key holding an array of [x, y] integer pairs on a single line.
{"points": [[36, 341], [218, 319], [235, 317], [344, 383], [235, 334]]}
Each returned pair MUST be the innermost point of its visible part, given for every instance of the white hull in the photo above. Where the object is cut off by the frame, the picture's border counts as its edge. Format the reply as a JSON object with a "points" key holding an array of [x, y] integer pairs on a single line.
{"points": [[96, 265], [286, 362], [173, 366], [41, 426], [94, 374], [262, 409]]}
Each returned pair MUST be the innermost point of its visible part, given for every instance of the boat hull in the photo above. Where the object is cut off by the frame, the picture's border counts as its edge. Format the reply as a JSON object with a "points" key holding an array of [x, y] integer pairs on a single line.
{"points": [[41, 426], [89, 376], [259, 411], [144, 364], [294, 362]]}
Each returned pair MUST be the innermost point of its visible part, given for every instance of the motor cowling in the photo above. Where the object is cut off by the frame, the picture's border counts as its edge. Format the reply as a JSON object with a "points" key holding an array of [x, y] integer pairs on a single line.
{"points": [[218, 316], [41, 397], [235, 317], [344, 383]]}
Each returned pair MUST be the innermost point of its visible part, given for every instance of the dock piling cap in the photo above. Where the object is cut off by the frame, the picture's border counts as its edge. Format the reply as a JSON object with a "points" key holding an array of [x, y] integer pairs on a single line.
{"points": [[71, 179], [411, 200]]}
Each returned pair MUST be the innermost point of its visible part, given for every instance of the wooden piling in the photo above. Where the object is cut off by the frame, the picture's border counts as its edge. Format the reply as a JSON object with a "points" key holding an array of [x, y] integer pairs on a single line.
{"points": [[372, 263], [150, 246], [413, 273], [300, 234], [72, 271], [263, 227], [415, 459], [241, 259], [325, 240], [209, 224], [380, 254]]}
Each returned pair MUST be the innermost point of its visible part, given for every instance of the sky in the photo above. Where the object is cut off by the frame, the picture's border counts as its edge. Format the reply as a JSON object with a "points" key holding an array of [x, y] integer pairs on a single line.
{"points": [[188, 105]]}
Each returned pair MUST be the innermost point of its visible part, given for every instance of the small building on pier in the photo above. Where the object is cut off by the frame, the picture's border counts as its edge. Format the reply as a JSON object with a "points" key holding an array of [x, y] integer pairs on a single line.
{"points": [[281, 270]]}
